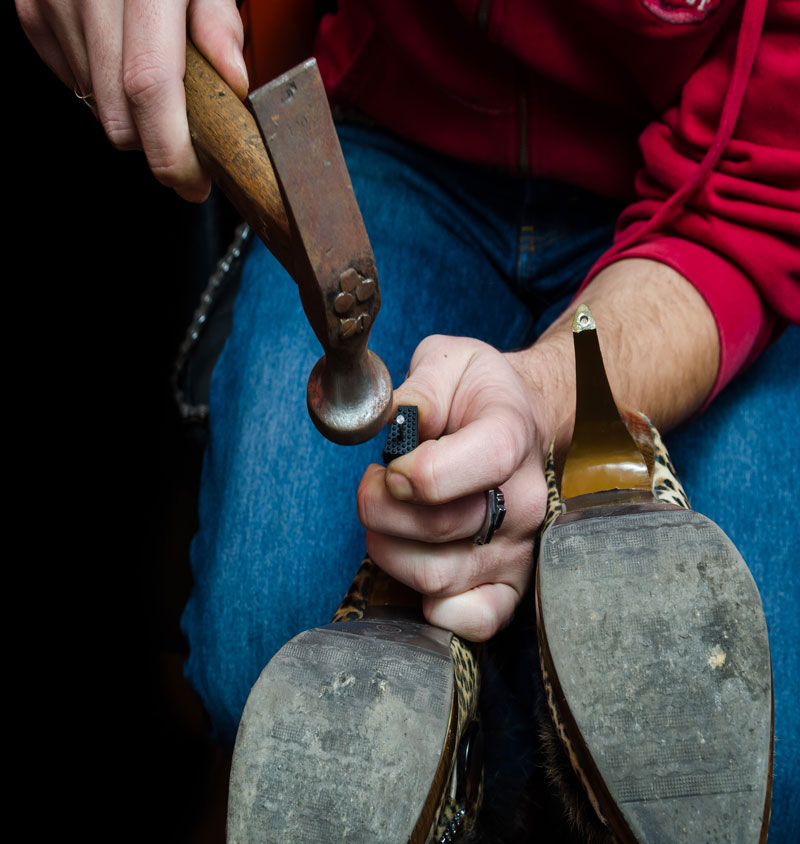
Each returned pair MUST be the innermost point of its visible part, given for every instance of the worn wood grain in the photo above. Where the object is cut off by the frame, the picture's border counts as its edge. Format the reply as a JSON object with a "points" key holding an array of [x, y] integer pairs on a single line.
{"points": [[230, 147]]}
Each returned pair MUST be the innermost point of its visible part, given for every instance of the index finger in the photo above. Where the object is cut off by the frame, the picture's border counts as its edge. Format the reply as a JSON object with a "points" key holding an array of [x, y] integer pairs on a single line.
{"points": [[153, 60]]}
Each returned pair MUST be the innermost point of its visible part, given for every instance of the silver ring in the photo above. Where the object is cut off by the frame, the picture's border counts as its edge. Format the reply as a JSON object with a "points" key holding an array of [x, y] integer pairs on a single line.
{"points": [[495, 513], [88, 99]]}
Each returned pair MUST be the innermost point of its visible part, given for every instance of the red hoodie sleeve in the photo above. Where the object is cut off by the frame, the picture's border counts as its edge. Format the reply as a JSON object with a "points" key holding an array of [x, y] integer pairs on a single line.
{"points": [[737, 237]]}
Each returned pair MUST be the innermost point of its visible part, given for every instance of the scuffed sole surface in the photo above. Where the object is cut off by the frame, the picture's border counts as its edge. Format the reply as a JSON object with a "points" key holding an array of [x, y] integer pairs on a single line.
{"points": [[341, 736], [658, 641]]}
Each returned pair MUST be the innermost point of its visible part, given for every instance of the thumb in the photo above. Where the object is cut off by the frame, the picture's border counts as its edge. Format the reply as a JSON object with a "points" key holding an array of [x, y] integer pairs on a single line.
{"points": [[216, 29]]}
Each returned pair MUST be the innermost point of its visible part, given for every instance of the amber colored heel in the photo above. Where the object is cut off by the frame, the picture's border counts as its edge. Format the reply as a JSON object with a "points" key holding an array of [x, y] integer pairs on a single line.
{"points": [[602, 454], [652, 637]]}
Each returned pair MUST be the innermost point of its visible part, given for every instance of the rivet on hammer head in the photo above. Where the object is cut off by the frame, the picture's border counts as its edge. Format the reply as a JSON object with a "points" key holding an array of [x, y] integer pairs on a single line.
{"points": [[348, 280], [343, 302], [365, 290], [348, 327]]}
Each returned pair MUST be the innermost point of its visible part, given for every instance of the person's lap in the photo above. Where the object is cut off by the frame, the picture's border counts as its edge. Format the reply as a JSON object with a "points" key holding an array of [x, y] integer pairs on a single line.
{"points": [[459, 251]]}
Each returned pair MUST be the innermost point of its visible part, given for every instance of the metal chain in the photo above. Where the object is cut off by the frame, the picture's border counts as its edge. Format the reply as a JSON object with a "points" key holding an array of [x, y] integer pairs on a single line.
{"points": [[230, 261]]}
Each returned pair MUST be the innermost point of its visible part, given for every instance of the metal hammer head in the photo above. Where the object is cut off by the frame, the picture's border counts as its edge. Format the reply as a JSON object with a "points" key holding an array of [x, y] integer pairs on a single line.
{"points": [[349, 391]]}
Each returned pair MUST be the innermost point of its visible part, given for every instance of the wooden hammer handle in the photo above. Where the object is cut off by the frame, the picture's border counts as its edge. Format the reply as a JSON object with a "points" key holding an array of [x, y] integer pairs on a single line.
{"points": [[229, 146]]}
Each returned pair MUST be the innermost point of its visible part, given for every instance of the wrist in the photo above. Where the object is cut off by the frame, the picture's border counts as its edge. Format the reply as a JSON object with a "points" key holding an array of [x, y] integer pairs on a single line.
{"points": [[548, 371], [659, 343]]}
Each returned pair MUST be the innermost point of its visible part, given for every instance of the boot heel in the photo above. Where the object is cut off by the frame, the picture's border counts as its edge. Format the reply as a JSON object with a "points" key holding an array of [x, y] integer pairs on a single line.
{"points": [[652, 637]]}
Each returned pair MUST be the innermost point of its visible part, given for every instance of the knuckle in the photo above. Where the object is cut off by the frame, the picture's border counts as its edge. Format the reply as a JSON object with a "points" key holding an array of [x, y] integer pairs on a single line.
{"points": [[144, 77], [170, 167], [444, 525], [504, 450], [425, 475], [120, 132], [434, 577], [166, 170], [429, 343]]}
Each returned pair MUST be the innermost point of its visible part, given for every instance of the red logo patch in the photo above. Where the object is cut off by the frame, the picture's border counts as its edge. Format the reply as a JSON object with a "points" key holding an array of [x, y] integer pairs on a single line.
{"points": [[681, 11]]}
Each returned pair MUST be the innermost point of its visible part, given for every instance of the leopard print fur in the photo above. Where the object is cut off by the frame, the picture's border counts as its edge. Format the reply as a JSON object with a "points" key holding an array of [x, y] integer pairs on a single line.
{"points": [[355, 601], [453, 818], [553, 507], [467, 679], [586, 820], [666, 486]]}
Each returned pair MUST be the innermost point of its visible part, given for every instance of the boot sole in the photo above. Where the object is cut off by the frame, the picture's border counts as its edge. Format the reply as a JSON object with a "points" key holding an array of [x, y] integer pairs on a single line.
{"points": [[655, 649], [342, 736]]}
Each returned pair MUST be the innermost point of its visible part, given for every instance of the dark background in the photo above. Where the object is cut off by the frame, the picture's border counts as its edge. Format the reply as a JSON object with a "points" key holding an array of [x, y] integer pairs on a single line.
{"points": [[104, 268]]}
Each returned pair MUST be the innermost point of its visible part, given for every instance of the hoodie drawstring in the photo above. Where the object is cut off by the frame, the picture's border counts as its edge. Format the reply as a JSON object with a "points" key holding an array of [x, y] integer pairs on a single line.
{"points": [[746, 49]]}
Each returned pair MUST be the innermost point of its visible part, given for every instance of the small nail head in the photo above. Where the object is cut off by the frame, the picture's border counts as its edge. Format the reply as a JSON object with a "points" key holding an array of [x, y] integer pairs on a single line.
{"points": [[343, 302], [348, 280], [365, 290], [583, 320]]}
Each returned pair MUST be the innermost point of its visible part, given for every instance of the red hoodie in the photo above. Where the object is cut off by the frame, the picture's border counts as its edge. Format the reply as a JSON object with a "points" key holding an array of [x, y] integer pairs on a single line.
{"points": [[688, 109]]}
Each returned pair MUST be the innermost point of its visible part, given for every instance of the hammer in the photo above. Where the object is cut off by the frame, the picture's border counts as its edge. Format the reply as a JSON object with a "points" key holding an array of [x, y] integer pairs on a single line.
{"points": [[283, 170]]}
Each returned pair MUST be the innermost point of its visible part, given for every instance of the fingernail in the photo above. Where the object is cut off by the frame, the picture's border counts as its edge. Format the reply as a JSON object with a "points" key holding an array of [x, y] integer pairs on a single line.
{"points": [[242, 67], [399, 486]]}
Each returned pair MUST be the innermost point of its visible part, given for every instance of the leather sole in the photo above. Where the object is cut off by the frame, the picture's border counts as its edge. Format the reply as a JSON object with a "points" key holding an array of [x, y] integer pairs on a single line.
{"points": [[343, 737], [656, 657]]}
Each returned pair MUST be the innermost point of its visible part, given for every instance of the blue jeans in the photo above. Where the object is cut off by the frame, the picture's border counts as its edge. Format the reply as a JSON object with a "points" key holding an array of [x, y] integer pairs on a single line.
{"points": [[463, 251]]}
